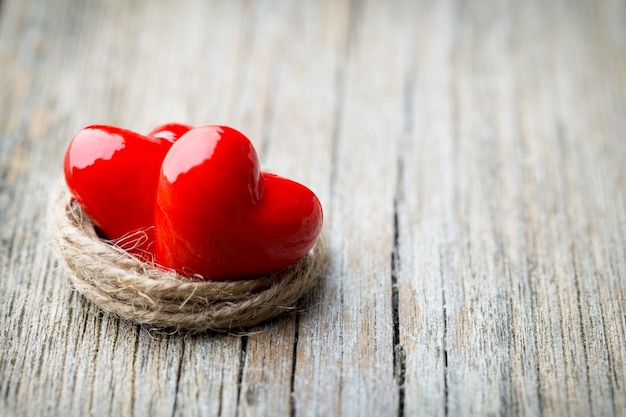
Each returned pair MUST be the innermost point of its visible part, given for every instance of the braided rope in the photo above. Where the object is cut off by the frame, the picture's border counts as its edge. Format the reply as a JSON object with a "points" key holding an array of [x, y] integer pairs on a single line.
{"points": [[126, 287]]}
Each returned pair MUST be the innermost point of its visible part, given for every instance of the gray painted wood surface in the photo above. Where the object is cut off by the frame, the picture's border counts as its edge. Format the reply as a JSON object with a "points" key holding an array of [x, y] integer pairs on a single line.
{"points": [[471, 160]]}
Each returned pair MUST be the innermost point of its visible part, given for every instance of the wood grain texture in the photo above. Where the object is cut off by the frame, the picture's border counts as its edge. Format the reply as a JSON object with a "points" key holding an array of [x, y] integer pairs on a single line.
{"points": [[471, 160]]}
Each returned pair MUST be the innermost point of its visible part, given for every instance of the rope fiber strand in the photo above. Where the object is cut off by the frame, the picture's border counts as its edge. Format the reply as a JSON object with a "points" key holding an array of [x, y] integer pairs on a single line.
{"points": [[130, 289]]}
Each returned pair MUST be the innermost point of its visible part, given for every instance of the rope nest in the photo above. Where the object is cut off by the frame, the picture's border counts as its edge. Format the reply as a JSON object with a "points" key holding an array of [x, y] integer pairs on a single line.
{"points": [[128, 288]]}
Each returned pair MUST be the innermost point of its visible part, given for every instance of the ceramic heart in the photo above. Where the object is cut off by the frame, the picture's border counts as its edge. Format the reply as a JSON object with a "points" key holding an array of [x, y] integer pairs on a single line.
{"points": [[214, 212], [113, 173], [219, 217]]}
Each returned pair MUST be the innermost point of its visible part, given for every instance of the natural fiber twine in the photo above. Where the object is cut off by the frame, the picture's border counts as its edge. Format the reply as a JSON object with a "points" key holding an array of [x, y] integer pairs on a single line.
{"points": [[142, 293]]}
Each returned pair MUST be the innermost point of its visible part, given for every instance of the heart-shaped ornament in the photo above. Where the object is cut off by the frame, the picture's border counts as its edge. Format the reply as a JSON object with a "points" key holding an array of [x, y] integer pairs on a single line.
{"points": [[217, 216], [113, 173]]}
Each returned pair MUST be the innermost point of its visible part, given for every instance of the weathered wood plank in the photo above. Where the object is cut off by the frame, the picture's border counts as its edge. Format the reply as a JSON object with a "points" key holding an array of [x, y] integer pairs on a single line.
{"points": [[594, 155], [484, 373], [427, 234], [504, 197], [345, 361]]}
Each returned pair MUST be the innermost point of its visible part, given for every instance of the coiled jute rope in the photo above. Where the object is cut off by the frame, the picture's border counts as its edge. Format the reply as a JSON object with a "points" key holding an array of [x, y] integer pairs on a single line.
{"points": [[126, 287]]}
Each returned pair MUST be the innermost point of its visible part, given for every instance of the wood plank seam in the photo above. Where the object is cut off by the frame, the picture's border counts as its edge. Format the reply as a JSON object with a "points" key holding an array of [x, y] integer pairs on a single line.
{"points": [[243, 352]]}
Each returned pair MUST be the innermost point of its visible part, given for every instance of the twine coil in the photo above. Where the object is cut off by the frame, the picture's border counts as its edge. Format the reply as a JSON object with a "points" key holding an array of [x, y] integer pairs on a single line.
{"points": [[134, 290]]}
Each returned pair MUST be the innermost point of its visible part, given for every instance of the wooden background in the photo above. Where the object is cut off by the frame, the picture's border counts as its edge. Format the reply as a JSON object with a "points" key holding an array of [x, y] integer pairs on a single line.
{"points": [[471, 159]]}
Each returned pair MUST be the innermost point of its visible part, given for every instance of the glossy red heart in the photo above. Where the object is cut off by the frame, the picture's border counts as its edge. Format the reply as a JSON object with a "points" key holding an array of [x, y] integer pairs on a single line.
{"points": [[218, 216], [113, 173], [169, 131]]}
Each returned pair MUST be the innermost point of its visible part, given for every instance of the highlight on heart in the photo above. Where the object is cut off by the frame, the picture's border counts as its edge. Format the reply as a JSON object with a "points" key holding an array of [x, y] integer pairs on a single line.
{"points": [[184, 217]]}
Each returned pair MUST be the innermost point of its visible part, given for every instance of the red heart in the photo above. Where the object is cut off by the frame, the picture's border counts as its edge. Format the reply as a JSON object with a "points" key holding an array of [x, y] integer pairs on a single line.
{"points": [[218, 216], [112, 173], [169, 131]]}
